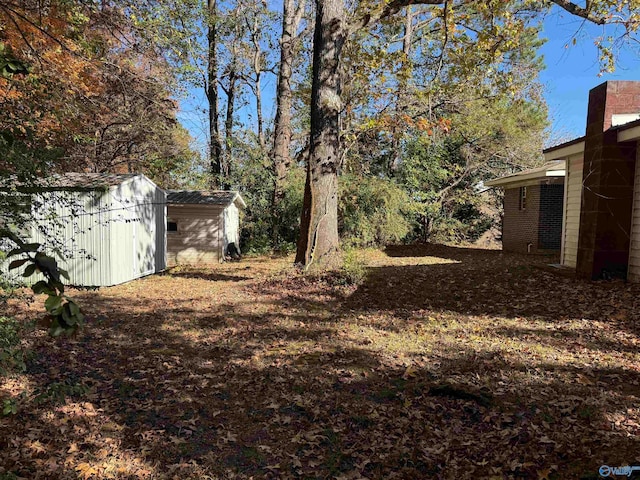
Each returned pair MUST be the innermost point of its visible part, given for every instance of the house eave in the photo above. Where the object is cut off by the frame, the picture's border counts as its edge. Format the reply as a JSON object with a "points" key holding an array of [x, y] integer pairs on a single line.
{"points": [[629, 134], [564, 151], [544, 174]]}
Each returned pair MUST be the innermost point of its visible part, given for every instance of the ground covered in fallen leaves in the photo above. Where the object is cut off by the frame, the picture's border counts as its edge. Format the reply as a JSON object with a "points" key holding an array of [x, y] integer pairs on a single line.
{"points": [[444, 362]]}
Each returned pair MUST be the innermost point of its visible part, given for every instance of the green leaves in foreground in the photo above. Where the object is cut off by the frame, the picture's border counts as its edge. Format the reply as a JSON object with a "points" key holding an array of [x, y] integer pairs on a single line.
{"points": [[64, 315]]}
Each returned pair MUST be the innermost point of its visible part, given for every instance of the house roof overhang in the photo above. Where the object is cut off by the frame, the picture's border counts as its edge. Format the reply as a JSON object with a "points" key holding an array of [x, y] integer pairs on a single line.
{"points": [[564, 150], [629, 132], [550, 170]]}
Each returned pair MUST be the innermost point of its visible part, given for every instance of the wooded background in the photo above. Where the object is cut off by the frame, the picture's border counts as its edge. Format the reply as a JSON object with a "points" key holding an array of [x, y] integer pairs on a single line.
{"points": [[410, 104]]}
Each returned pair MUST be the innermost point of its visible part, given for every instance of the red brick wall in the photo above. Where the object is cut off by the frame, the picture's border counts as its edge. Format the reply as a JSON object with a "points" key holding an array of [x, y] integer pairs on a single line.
{"points": [[608, 179], [520, 227]]}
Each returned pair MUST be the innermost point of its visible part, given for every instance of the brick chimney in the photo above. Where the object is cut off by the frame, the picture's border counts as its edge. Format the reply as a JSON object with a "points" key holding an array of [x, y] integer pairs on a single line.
{"points": [[608, 174]]}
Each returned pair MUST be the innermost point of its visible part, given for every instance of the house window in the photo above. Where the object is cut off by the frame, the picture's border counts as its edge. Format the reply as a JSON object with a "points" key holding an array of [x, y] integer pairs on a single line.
{"points": [[523, 198], [172, 226]]}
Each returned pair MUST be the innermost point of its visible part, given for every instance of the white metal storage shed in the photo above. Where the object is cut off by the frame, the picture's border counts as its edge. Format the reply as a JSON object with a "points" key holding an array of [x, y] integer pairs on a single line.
{"points": [[202, 226], [110, 228]]}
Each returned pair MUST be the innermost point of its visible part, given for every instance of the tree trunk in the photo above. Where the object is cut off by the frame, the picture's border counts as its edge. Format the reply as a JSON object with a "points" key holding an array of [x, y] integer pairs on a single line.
{"points": [[402, 89], [257, 70], [282, 127], [228, 124], [259, 112], [215, 146], [318, 244]]}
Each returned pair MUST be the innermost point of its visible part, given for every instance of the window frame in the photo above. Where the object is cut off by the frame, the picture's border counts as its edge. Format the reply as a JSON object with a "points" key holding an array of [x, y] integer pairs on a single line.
{"points": [[522, 198]]}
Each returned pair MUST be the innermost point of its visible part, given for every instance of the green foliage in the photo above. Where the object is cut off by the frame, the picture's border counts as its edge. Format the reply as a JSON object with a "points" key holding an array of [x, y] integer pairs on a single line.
{"points": [[254, 176], [458, 104], [57, 392], [442, 170], [287, 213], [64, 315], [434, 174], [9, 407], [9, 64], [354, 270], [12, 358], [373, 211]]}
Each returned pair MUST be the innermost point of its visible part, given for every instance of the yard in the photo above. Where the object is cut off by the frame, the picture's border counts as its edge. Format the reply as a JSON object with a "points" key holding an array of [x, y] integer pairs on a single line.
{"points": [[443, 363]]}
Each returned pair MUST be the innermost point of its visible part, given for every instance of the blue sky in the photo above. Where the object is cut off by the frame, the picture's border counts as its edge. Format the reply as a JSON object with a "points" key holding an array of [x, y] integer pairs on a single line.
{"points": [[571, 71]]}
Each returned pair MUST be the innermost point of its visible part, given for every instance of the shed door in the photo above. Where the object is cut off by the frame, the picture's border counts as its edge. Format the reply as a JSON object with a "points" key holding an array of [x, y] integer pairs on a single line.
{"points": [[144, 238], [572, 205]]}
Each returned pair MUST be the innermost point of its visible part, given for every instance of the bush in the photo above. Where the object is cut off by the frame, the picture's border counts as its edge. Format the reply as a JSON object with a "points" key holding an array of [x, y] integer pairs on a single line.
{"points": [[353, 271], [373, 211]]}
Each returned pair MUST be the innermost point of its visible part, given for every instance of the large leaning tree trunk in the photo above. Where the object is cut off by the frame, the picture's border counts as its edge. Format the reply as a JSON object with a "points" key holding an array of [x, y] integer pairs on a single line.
{"points": [[319, 242]]}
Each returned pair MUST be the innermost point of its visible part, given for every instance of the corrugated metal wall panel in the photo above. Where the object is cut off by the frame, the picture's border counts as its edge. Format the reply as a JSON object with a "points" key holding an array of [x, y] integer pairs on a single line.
{"points": [[122, 233], [109, 237], [633, 272], [82, 228], [573, 199]]}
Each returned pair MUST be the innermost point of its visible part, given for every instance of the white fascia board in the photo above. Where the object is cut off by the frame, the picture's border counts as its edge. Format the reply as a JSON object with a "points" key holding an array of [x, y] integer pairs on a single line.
{"points": [[564, 152], [629, 134], [527, 177]]}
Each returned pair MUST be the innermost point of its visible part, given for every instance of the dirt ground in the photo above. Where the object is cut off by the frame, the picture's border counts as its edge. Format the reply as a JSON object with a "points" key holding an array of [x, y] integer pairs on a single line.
{"points": [[444, 363]]}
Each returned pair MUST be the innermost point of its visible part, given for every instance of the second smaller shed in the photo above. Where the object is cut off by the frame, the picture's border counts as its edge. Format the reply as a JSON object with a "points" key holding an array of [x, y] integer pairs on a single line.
{"points": [[202, 226]]}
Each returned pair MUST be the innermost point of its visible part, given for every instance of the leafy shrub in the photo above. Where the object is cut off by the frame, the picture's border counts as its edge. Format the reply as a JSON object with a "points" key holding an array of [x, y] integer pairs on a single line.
{"points": [[64, 315], [466, 224], [353, 271], [373, 211]]}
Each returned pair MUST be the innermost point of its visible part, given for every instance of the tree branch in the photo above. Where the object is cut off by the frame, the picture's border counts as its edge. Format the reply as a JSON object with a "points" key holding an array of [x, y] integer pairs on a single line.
{"points": [[579, 11], [390, 8]]}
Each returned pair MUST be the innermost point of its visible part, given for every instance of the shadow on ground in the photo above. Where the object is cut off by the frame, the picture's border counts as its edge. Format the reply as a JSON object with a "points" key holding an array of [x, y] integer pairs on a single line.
{"points": [[487, 367]]}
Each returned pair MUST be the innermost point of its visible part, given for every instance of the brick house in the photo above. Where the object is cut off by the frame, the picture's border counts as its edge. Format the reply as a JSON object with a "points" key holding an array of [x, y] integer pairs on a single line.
{"points": [[533, 204], [601, 228]]}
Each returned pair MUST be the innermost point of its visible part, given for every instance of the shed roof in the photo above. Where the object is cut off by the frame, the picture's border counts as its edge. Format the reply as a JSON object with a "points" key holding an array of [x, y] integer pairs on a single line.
{"points": [[88, 180], [555, 168], [200, 197], [71, 181]]}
